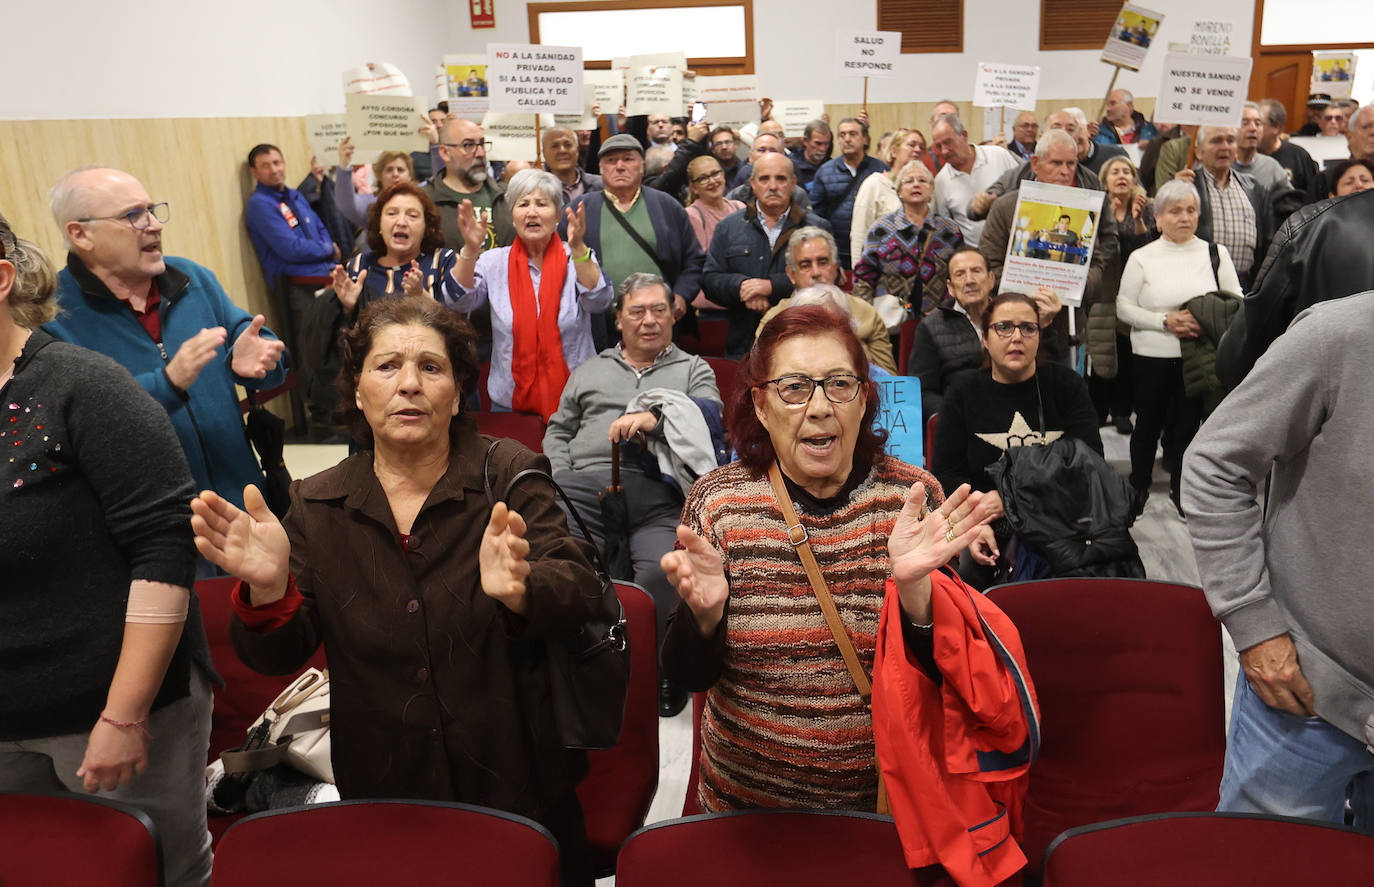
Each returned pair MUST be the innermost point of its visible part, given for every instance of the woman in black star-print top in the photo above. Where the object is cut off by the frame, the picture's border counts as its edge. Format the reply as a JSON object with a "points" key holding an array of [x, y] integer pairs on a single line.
{"points": [[1013, 401]]}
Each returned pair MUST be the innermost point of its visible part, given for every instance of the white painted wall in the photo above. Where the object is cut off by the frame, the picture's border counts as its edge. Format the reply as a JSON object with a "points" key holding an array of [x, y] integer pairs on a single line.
{"points": [[193, 58], [164, 58]]}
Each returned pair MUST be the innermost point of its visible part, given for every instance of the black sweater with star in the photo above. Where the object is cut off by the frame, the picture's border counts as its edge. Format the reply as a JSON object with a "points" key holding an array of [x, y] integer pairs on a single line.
{"points": [[981, 417]]}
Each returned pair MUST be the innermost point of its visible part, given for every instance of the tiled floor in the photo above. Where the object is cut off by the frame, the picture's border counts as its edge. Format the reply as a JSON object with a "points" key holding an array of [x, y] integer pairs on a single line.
{"points": [[1160, 533]]}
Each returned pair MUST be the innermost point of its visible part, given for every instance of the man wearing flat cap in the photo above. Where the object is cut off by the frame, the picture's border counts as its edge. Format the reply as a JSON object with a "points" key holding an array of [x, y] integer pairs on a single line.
{"points": [[634, 229]]}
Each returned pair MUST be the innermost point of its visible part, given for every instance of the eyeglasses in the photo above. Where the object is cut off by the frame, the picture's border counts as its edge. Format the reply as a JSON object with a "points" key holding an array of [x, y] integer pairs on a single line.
{"points": [[797, 389], [708, 176], [467, 146], [1005, 328], [719, 143], [141, 218], [658, 311]]}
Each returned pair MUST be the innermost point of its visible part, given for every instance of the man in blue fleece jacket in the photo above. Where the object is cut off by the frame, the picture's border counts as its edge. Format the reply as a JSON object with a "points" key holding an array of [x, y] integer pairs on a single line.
{"points": [[165, 319]]}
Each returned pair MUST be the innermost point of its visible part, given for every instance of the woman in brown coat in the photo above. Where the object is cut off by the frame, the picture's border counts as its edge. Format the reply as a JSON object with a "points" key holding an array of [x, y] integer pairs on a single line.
{"points": [[433, 606]]}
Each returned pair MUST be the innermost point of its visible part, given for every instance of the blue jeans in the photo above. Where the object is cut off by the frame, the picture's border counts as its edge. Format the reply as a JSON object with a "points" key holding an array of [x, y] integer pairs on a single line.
{"points": [[1279, 764]]}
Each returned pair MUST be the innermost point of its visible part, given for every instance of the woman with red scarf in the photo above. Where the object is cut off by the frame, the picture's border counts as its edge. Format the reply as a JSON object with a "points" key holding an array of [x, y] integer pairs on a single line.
{"points": [[541, 292]]}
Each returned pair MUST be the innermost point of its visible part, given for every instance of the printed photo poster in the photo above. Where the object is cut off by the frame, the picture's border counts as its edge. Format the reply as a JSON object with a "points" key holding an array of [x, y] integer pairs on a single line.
{"points": [[466, 76], [1132, 33], [1051, 242], [1333, 73]]}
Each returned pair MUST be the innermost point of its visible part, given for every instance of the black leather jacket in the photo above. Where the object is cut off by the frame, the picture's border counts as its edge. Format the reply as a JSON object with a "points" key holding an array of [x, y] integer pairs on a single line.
{"points": [[1321, 252]]}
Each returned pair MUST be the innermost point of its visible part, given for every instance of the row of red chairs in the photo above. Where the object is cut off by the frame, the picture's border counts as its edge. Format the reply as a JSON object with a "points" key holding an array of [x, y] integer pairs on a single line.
{"points": [[48, 839]]}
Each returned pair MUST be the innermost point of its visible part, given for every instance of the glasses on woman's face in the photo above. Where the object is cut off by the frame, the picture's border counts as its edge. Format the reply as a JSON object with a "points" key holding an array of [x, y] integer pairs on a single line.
{"points": [[1005, 328], [797, 389], [708, 176]]}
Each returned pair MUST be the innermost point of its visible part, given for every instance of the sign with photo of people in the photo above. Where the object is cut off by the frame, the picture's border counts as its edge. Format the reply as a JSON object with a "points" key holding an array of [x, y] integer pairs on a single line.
{"points": [[1132, 33], [1052, 238]]}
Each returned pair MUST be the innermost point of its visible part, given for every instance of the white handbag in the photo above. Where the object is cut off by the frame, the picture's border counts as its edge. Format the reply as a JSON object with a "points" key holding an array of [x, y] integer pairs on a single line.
{"points": [[294, 730]]}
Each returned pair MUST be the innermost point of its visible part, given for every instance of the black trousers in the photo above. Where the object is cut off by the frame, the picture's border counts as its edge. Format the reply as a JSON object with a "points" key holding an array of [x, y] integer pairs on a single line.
{"points": [[1161, 407], [569, 827], [1114, 396]]}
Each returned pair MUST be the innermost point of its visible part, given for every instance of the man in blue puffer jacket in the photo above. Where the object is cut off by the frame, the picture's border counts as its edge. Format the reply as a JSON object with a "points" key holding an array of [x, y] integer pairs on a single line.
{"points": [[167, 320], [837, 181]]}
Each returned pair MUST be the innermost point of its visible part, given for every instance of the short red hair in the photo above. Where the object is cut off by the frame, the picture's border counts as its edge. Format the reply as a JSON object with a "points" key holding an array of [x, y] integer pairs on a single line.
{"points": [[747, 434]]}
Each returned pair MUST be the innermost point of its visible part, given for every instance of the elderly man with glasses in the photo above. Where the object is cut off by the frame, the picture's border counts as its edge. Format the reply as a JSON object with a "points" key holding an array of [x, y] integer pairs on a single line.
{"points": [[166, 319], [463, 149]]}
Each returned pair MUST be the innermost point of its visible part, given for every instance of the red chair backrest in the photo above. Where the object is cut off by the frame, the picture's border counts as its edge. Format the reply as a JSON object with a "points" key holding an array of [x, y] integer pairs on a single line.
{"points": [[524, 427], [621, 781], [904, 342], [711, 336], [690, 806], [749, 848], [483, 374], [1128, 673], [1216, 849], [727, 371], [930, 438], [245, 694], [385, 842], [72, 839]]}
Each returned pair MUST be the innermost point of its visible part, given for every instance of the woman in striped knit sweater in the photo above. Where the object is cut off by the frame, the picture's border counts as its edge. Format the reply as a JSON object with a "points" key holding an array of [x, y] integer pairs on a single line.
{"points": [[784, 725]]}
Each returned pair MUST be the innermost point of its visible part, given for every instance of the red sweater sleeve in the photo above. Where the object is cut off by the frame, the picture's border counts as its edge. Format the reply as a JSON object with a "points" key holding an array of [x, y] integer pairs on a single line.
{"points": [[271, 616]]}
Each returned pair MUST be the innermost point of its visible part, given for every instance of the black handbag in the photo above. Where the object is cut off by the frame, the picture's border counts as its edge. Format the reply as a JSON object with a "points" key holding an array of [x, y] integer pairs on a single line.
{"points": [[589, 673]]}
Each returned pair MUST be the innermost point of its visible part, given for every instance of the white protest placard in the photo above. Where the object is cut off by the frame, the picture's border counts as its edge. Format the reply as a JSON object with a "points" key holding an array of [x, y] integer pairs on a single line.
{"points": [[512, 135], [606, 88], [385, 123], [733, 88], [466, 76], [1202, 90], [794, 114], [1324, 149], [585, 120], [1210, 37], [999, 119], [1014, 86], [656, 60], [867, 53], [376, 79], [1131, 35], [530, 78], [1333, 73], [1051, 242], [654, 91], [899, 411], [732, 114], [324, 132], [689, 91]]}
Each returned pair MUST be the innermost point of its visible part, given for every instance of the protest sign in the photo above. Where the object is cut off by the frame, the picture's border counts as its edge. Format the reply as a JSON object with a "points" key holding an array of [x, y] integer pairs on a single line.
{"points": [[585, 120], [324, 132], [1333, 73], [512, 136], [605, 87], [1131, 36], [385, 123], [466, 76], [1202, 90], [734, 88], [794, 114], [899, 411], [867, 53], [1210, 38], [732, 114], [1051, 242], [998, 120], [656, 60], [531, 77], [1013, 86], [1323, 149], [653, 91], [376, 79]]}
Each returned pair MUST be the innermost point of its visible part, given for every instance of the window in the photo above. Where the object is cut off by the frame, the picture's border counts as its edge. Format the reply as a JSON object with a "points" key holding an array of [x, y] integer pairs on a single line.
{"points": [[926, 25], [716, 35], [1077, 24]]}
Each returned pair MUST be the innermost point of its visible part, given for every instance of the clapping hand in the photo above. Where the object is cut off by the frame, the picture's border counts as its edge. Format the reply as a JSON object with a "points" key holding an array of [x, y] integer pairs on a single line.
{"points": [[251, 544], [413, 283], [577, 229], [255, 357], [922, 541], [346, 288], [698, 574], [501, 559]]}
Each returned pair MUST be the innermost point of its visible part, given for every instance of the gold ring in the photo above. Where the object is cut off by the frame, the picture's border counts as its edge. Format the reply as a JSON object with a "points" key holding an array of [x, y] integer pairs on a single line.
{"points": [[949, 533]]}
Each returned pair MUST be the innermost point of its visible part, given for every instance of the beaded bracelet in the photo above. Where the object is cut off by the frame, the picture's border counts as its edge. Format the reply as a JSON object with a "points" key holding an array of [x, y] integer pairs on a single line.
{"points": [[142, 725]]}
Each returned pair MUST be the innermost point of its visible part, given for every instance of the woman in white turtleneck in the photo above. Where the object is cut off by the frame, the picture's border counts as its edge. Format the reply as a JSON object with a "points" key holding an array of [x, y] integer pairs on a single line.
{"points": [[1158, 279]]}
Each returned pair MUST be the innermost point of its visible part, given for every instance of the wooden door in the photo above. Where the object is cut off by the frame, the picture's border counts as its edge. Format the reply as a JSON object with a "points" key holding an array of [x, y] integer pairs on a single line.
{"points": [[1284, 76]]}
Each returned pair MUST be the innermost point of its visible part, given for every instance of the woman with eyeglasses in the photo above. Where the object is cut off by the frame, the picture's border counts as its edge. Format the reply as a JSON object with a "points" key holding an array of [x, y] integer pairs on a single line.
{"points": [[1158, 280], [1015, 400], [542, 294], [786, 722], [707, 205]]}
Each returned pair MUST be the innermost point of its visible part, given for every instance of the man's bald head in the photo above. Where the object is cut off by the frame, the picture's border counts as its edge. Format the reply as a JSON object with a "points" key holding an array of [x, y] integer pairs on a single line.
{"points": [[107, 221]]}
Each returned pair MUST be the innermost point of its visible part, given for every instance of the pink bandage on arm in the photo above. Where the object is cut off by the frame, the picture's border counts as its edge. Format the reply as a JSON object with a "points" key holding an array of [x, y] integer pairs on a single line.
{"points": [[157, 603]]}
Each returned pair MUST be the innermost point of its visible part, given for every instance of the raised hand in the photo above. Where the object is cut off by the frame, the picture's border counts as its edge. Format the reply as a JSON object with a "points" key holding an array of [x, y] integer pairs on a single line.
{"points": [[413, 283], [346, 153], [501, 559], [254, 356], [473, 231], [185, 366], [251, 544], [698, 574], [577, 229], [921, 542], [346, 288]]}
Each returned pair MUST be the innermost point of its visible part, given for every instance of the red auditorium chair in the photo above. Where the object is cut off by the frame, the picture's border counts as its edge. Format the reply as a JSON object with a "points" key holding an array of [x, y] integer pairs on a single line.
{"points": [[904, 343], [748, 848], [1129, 677], [727, 371], [689, 804], [621, 781], [524, 427], [245, 694], [930, 438], [711, 336], [1216, 849], [66, 838], [385, 842]]}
